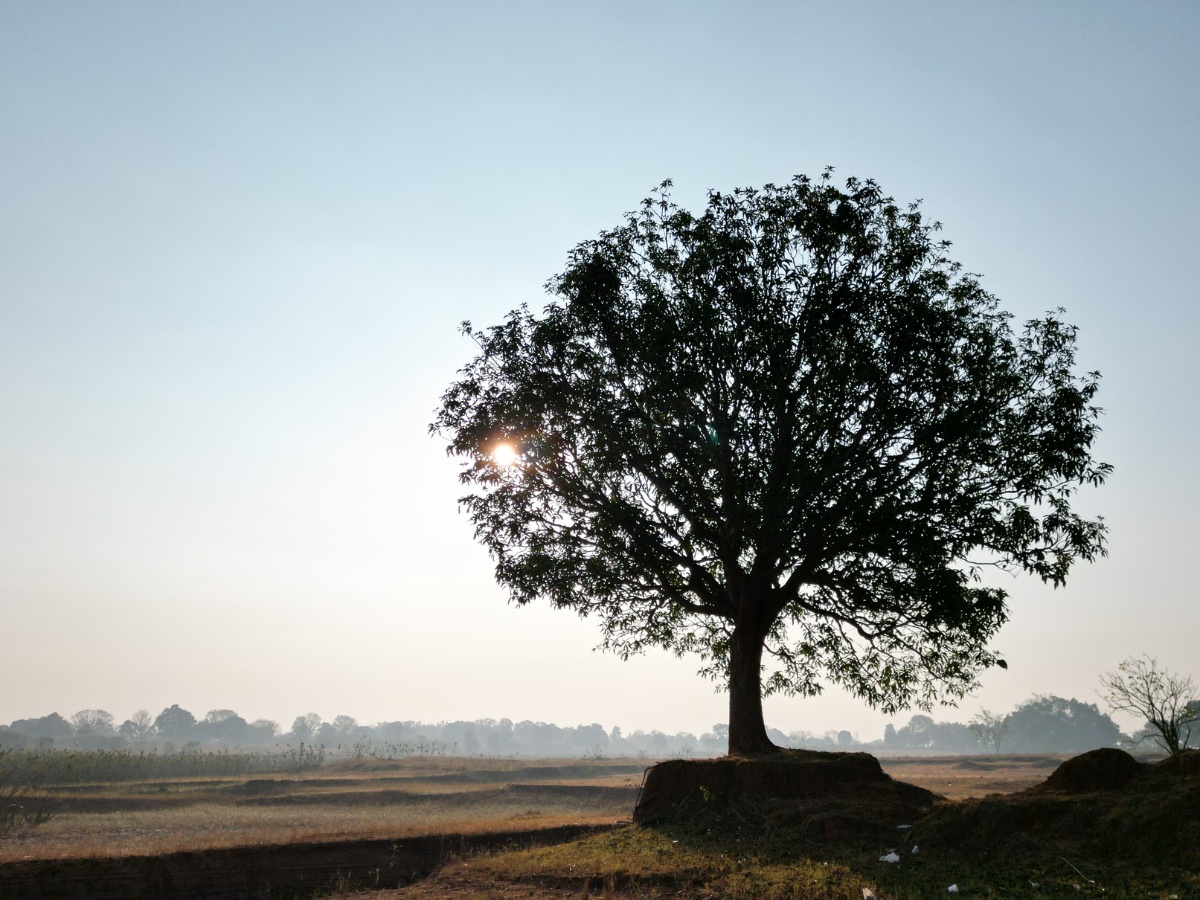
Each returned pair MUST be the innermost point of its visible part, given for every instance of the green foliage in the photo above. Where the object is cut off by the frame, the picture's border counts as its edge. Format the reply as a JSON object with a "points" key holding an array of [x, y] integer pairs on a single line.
{"points": [[790, 415]]}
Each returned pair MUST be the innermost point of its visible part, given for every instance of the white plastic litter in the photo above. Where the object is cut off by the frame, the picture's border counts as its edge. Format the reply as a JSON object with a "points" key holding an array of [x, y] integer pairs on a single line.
{"points": [[902, 827], [953, 889], [914, 850], [1036, 884], [869, 894], [892, 856]]}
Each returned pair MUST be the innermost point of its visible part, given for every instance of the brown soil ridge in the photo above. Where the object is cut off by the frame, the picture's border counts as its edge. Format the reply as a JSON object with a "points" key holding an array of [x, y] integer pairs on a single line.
{"points": [[826, 796], [242, 873]]}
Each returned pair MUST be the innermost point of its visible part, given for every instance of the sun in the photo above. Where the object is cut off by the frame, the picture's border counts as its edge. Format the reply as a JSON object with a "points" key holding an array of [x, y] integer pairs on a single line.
{"points": [[504, 455]]}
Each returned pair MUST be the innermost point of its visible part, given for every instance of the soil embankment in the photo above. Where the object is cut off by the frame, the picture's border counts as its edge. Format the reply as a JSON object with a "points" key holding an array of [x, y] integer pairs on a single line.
{"points": [[242, 873], [823, 796]]}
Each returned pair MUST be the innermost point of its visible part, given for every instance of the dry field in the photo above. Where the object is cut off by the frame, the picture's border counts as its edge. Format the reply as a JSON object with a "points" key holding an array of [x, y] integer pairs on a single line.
{"points": [[349, 800], [962, 777], [386, 824]]}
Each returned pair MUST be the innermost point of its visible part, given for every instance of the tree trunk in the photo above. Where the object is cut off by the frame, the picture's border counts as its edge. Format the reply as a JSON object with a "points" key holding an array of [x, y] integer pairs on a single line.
{"points": [[747, 730]]}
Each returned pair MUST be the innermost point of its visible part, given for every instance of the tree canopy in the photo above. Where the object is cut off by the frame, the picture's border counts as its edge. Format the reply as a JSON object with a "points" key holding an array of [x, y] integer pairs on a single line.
{"points": [[1050, 724], [789, 423]]}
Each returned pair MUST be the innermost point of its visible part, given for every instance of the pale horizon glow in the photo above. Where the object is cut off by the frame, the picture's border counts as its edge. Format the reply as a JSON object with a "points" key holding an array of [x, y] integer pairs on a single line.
{"points": [[238, 240]]}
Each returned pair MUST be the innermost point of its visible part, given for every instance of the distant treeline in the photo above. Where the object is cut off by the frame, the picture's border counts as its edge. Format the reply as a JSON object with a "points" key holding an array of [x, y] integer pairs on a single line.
{"points": [[1043, 724]]}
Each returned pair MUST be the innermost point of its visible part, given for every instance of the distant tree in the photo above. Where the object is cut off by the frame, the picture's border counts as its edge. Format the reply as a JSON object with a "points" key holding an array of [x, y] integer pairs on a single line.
{"points": [[990, 729], [52, 727], [138, 727], [1168, 702], [12, 740], [1050, 724], [305, 728], [917, 734], [923, 733], [223, 725], [345, 725], [788, 425], [263, 730], [175, 723], [93, 723]]}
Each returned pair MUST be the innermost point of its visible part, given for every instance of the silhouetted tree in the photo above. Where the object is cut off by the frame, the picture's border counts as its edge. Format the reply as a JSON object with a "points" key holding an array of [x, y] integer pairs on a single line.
{"points": [[923, 733], [990, 729], [305, 728], [1168, 702], [175, 723], [93, 723], [223, 725], [263, 730], [138, 727], [52, 727], [1049, 724], [788, 423]]}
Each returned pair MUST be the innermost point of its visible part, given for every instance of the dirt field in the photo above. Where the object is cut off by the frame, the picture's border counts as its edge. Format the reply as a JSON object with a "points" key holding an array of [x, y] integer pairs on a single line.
{"points": [[362, 800], [385, 825], [961, 777], [343, 801]]}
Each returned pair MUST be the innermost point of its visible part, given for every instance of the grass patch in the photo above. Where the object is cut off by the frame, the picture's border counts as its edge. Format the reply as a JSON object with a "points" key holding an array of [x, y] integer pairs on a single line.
{"points": [[665, 861]]}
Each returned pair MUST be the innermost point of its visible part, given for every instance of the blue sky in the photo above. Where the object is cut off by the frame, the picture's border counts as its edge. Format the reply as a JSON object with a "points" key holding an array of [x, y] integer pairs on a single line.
{"points": [[236, 241]]}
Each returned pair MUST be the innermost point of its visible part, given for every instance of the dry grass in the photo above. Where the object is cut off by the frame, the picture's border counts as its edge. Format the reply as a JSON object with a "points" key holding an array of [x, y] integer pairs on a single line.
{"points": [[343, 801], [963, 777], [212, 826], [370, 799]]}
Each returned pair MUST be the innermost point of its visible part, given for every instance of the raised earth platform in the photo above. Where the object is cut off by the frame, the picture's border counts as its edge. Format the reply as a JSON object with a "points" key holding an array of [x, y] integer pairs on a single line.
{"points": [[828, 796]]}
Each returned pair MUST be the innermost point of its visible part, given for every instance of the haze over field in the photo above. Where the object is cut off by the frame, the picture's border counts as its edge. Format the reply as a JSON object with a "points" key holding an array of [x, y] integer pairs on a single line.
{"points": [[236, 242]]}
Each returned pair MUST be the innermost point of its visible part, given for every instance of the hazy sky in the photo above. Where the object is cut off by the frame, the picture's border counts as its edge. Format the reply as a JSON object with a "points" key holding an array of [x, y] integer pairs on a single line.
{"points": [[236, 241]]}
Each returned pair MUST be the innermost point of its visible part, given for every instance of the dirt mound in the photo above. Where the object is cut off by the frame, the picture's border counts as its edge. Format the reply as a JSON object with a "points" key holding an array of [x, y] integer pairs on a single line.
{"points": [[1103, 805], [1106, 769], [844, 797], [1186, 764]]}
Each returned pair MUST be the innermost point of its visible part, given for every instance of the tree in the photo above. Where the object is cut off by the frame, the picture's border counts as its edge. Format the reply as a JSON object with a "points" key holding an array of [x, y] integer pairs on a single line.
{"points": [[91, 723], [1168, 702], [138, 727], [305, 728], [989, 729], [175, 723], [788, 426], [1050, 724], [223, 725], [52, 727], [264, 730]]}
